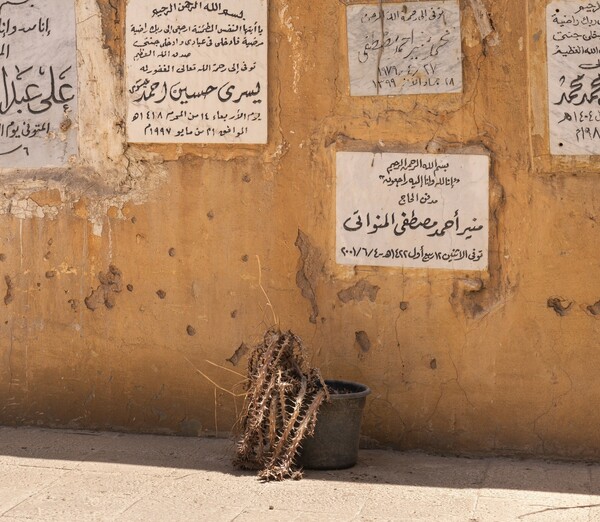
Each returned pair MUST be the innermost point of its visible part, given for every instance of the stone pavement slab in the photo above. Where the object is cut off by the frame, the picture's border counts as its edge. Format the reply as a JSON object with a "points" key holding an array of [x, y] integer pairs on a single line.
{"points": [[60, 475]]}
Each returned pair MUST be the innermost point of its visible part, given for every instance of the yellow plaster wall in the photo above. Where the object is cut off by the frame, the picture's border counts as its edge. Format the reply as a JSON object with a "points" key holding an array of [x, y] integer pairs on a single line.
{"points": [[458, 362]]}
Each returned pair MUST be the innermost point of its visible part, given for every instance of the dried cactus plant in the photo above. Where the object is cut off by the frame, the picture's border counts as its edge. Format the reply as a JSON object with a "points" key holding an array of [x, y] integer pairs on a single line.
{"points": [[280, 409]]}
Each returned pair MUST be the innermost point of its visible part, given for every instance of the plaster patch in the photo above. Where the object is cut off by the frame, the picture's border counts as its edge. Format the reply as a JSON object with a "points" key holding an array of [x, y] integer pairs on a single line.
{"points": [[28, 208], [293, 38], [47, 198], [106, 172], [489, 35], [464, 296]]}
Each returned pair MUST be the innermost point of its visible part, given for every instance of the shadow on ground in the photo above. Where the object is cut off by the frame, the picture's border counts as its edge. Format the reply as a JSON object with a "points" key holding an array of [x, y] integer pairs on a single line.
{"points": [[62, 449]]}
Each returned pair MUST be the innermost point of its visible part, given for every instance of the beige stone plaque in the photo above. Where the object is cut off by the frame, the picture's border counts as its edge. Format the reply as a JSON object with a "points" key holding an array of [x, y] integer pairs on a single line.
{"points": [[38, 91], [573, 44], [404, 48], [197, 71], [412, 210]]}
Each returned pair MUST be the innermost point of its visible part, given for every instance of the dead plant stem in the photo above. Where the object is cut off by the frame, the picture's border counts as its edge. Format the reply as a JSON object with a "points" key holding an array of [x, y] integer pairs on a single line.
{"points": [[275, 320]]}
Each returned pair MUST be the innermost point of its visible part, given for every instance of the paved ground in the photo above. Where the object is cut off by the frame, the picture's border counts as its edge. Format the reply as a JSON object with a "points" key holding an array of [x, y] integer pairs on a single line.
{"points": [[73, 476]]}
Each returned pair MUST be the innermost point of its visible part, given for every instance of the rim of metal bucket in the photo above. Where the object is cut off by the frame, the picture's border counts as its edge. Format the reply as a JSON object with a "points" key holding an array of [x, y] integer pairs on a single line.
{"points": [[364, 389]]}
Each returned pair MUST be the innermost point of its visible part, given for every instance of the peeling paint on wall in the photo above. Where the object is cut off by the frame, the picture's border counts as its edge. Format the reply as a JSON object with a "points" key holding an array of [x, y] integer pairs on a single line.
{"points": [[104, 294], [294, 38], [310, 265], [561, 306], [489, 36], [362, 341], [594, 309], [9, 296], [360, 291]]}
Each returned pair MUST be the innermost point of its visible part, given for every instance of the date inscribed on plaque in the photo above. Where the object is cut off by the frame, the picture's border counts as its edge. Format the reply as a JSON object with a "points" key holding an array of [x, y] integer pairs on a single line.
{"points": [[38, 91], [404, 48], [573, 43], [412, 210], [197, 71]]}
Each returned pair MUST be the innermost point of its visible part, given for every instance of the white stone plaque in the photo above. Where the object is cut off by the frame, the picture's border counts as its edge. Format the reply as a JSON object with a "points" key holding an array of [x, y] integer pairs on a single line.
{"points": [[404, 48], [197, 71], [573, 42], [38, 90], [412, 210]]}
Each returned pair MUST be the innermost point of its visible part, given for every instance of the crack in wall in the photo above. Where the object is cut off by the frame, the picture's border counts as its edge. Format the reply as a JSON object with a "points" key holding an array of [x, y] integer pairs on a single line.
{"points": [[113, 30], [556, 399]]}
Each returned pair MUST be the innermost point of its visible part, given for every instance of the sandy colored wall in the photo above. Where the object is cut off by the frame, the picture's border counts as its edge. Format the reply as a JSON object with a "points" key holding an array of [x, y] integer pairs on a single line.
{"points": [[125, 271]]}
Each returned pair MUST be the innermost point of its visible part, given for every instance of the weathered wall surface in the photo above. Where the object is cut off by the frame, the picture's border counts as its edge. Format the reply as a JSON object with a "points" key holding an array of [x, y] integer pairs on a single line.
{"points": [[137, 264]]}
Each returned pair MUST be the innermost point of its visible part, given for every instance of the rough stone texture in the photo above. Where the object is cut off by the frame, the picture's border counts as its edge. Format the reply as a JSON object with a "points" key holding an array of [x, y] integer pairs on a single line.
{"points": [[511, 376]]}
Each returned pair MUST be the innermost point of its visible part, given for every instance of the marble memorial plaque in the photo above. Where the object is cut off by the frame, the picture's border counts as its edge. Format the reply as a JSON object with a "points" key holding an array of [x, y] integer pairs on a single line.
{"points": [[38, 92], [412, 210], [197, 71], [573, 44], [404, 48]]}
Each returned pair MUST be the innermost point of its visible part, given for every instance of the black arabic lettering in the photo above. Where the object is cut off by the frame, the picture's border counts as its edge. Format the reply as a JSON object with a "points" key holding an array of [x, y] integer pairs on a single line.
{"points": [[357, 222], [23, 88], [12, 2], [582, 90], [417, 253], [6, 153]]}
